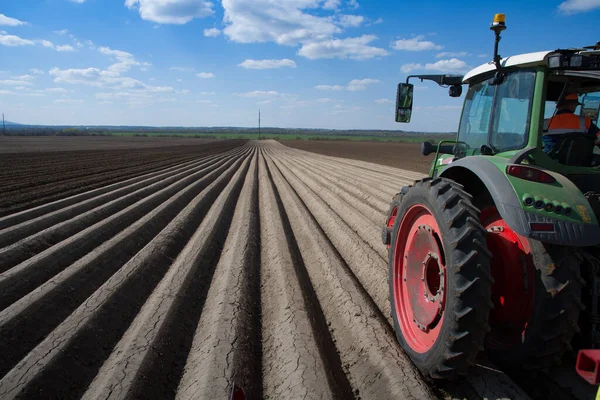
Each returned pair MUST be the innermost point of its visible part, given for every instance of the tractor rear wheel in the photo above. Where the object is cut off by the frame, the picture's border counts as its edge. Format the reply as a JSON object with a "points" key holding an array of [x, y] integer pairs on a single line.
{"points": [[439, 277], [536, 296]]}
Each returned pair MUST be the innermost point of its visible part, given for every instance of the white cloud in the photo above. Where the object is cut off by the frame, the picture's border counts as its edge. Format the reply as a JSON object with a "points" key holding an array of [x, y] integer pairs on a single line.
{"points": [[65, 48], [123, 61], [452, 54], [67, 101], [331, 4], [451, 65], [360, 84], [8, 21], [282, 22], [377, 21], [298, 23], [352, 86], [406, 68], [415, 44], [324, 100], [46, 43], [104, 78], [383, 101], [181, 69], [212, 32], [330, 87], [14, 41], [179, 80], [350, 20], [205, 75], [578, 6], [56, 90], [204, 101], [77, 1], [6, 92], [267, 64], [17, 81], [482, 55], [207, 93], [353, 48], [265, 102], [36, 71], [23, 77], [62, 32], [260, 93], [172, 11], [353, 4]]}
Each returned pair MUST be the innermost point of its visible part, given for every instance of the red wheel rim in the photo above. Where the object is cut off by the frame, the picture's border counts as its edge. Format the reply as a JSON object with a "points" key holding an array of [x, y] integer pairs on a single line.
{"points": [[514, 282], [419, 279], [391, 220]]}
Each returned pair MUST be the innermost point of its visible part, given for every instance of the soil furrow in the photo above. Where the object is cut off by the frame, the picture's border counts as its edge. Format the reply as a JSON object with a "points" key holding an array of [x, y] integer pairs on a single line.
{"points": [[149, 360], [300, 358], [375, 365], [47, 208], [354, 168], [362, 194], [128, 162], [24, 277], [25, 323], [367, 229], [103, 205], [226, 348], [366, 262], [88, 336]]}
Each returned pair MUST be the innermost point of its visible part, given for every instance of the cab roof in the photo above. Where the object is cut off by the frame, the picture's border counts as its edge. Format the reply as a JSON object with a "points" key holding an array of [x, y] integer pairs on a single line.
{"points": [[530, 60], [522, 60]]}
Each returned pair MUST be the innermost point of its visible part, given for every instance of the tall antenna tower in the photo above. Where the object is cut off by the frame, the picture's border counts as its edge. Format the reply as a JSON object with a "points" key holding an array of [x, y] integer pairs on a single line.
{"points": [[259, 124]]}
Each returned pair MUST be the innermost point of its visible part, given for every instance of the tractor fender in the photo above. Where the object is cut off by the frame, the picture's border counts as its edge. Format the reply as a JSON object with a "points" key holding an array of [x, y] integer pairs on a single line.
{"points": [[510, 208], [502, 192]]}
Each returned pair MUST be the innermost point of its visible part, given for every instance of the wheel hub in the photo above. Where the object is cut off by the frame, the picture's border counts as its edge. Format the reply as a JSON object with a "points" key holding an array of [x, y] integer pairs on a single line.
{"points": [[424, 278]]}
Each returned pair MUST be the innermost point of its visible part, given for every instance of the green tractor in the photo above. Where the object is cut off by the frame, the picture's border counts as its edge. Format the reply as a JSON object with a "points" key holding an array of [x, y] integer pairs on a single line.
{"points": [[498, 249]]}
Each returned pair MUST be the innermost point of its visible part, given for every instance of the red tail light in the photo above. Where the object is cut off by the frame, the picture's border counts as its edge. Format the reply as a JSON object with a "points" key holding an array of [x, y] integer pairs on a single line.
{"points": [[530, 174]]}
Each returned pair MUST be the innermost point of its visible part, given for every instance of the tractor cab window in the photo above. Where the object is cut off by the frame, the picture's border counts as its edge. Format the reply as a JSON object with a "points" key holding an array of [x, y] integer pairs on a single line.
{"points": [[496, 117]]}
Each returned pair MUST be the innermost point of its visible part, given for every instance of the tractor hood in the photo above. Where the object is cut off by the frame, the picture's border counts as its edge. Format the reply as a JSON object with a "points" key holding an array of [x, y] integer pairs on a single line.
{"points": [[550, 212]]}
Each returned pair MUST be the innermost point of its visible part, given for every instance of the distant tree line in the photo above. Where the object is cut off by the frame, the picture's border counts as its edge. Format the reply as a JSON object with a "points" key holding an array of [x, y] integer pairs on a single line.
{"points": [[36, 130]]}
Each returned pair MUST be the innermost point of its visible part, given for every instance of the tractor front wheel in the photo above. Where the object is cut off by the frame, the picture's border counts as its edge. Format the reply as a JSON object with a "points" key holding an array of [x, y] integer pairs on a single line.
{"points": [[439, 277]]}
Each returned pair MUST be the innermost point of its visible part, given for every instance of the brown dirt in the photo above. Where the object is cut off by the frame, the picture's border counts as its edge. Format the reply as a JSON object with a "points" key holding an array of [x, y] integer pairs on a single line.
{"points": [[260, 266], [28, 144], [30, 179], [398, 155]]}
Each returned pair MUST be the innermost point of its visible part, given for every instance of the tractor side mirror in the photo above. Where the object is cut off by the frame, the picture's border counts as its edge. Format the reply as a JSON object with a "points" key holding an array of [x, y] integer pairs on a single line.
{"points": [[404, 101], [455, 90]]}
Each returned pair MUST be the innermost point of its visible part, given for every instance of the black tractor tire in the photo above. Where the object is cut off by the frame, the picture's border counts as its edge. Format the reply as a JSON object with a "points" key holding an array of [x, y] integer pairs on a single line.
{"points": [[556, 309], [468, 280]]}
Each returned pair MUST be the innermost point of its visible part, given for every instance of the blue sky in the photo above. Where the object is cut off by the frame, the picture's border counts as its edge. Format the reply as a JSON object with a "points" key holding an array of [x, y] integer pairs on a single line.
{"points": [[304, 63]]}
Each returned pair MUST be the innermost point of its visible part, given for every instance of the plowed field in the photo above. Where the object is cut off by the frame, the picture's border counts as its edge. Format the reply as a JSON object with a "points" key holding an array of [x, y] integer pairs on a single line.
{"points": [[255, 266]]}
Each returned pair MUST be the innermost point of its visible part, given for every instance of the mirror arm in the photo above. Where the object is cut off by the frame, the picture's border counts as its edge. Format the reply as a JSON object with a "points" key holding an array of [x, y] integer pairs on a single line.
{"points": [[442, 80]]}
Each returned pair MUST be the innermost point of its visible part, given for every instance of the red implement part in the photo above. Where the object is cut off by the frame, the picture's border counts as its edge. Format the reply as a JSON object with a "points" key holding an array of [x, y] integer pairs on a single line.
{"points": [[419, 278], [588, 365], [513, 291]]}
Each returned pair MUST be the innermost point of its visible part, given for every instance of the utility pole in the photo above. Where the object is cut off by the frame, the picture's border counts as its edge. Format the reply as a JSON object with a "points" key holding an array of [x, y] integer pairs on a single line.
{"points": [[259, 124]]}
